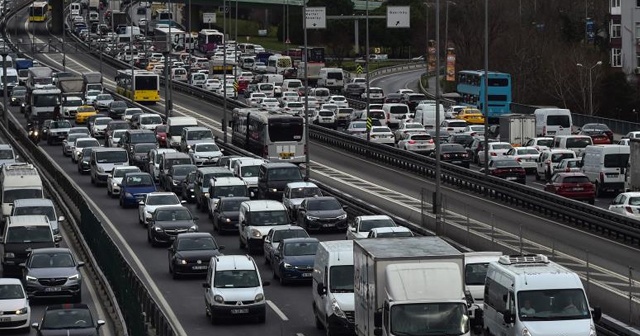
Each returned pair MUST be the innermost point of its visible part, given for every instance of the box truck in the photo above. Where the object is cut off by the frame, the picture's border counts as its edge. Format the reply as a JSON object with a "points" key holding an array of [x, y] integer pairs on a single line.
{"points": [[517, 129]]}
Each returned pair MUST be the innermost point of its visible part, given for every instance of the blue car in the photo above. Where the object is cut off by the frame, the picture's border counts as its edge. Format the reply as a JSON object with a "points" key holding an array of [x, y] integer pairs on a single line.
{"points": [[134, 187], [293, 260]]}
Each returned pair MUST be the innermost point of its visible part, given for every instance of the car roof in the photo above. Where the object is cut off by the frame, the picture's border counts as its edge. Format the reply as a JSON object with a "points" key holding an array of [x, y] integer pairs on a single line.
{"points": [[321, 198], [264, 205], [300, 240], [389, 229], [269, 165], [234, 262], [10, 281], [566, 174], [194, 235], [26, 202], [51, 250], [293, 185], [28, 220], [373, 217]]}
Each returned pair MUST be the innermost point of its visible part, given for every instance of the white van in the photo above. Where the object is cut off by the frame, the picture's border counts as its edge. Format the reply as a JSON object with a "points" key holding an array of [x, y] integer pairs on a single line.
{"points": [[322, 94], [605, 166], [197, 79], [576, 143], [75, 8], [179, 74], [225, 187], [248, 169], [475, 273], [19, 180], [553, 121], [531, 293], [332, 288], [395, 112], [291, 85], [273, 79], [256, 218], [331, 78], [426, 115], [174, 129], [233, 289]]}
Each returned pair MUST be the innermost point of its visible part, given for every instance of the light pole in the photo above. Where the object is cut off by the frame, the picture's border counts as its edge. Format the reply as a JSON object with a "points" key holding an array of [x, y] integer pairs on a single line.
{"points": [[235, 30], [5, 113], [437, 194], [590, 83], [426, 55], [305, 56], [485, 107], [366, 65], [224, 71], [446, 27]]}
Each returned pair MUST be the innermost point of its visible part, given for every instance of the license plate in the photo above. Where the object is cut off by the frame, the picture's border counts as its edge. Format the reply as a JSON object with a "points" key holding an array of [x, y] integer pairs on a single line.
{"points": [[203, 267], [172, 237], [578, 189], [456, 161], [53, 289], [307, 275], [5, 319], [286, 155], [328, 225], [240, 311], [511, 178], [551, 132]]}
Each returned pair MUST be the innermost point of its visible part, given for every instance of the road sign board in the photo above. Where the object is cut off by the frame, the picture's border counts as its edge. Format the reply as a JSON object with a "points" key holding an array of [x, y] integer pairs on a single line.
{"points": [[369, 123], [316, 18], [398, 16], [359, 69], [209, 17]]}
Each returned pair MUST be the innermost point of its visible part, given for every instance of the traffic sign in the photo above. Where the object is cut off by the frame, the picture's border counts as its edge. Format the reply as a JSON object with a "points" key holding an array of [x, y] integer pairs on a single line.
{"points": [[316, 18], [398, 16], [369, 123], [359, 69], [209, 17], [235, 86]]}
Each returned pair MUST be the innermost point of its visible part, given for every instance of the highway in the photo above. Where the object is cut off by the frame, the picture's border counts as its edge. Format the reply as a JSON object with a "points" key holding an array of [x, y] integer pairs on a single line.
{"points": [[290, 307]]}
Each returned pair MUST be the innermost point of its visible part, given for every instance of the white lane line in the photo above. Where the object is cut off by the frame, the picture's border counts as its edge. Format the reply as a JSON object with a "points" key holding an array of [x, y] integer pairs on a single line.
{"points": [[299, 334], [277, 310]]}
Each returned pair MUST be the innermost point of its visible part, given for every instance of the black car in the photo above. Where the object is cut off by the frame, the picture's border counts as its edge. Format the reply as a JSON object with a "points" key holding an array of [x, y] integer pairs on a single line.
{"points": [[444, 135], [18, 95], [274, 176], [169, 221], [596, 129], [190, 253], [172, 180], [464, 139], [353, 90], [139, 154], [226, 213], [393, 98], [116, 109], [322, 213], [68, 319], [413, 99], [187, 188], [83, 160], [454, 154]]}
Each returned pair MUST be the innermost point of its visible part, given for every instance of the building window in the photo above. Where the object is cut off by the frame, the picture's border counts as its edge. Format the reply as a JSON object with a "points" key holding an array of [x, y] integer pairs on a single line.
{"points": [[616, 57], [615, 30]]}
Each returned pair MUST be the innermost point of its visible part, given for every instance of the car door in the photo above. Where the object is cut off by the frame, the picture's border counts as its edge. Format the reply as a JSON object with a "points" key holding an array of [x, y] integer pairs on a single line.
{"points": [[267, 245], [617, 205], [302, 211], [278, 255]]}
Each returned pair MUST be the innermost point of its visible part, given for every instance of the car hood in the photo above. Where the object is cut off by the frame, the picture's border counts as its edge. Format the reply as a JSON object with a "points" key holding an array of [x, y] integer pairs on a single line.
{"points": [[69, 332], [231, 214], [264, 230], [152, 208], [203, 255], [180, 224], [13, 305], [238, 294], [296, 201], [57, 130], [208, 154], [53, 272], [346, 301], [100, 127], [305, 260], [567, 327], [326, 213], [108, 167]]}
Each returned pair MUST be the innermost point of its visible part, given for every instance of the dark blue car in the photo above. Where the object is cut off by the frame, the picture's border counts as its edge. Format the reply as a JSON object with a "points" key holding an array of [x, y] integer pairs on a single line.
{"points": [[293, 260], [134, 187]]}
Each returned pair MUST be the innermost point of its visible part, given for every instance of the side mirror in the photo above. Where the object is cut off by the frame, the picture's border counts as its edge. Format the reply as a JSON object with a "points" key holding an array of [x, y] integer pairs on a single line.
{"points": [[344, 207], [596, 314], [221, 247], [61, 219], [35, 325], [80, 263], [183, 202], [206, 285], [321, 289], [100, 323], [57, 238], [195, 218], [352, 229], [267, 240], [508, 317], [141, 203], [22, 265]]}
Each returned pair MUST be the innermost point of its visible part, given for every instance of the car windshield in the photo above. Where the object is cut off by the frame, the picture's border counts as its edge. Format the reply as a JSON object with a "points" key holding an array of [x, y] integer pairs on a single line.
{"points": [[231, 204], [144, 148], [199, 135], [236, 279], [265, 218], [525, 151], [368, 224], [60, 124], [163, 215], [457, 124], [183, 170], [112, 156], [230, 191], [341, 279], [104, 97], [323, 204], [358, 125], [196, 243], [475, 274], [100, 121], [87, 143], [130, 112], [11, 195], [305, 192], [381, 130], [46, 210], [29, 234], [139, 180], [119, 104], [67, 319], [6, 154], [78, 131], [279, 235], [142, 137], [576, 179], [249, 171], [553, 304], [121, 172], [73, 102], [119, 126], [616, 160], [300, 248], [285, 174], [557, 157], [11, 292], [49, 260], [570, 163], [545, 142], [207, 148], [162, 199], [394, 234], [452, 148]]}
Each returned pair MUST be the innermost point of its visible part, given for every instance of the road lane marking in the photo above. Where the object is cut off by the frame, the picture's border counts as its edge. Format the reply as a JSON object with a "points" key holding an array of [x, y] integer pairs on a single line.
{"points": [[277, 310]]}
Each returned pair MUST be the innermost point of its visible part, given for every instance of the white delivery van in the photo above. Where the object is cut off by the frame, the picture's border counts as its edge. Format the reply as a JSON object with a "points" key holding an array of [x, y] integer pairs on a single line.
{"points": [[576, 143], [226, 186], [553, 121], [332, 288], [174, 129], [605, 166], [331, 78], [19, 180], [395, 112], [475, 273], [426, 115], [530, 295], [322, 94], [179, 74], [291, 85], [256, 218]]}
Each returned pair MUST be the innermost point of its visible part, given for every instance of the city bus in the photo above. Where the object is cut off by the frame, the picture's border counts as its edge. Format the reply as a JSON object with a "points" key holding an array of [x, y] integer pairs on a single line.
{"points": [[208, 40], [471, 87], [275, 136], [142, 87], [38, 12]]}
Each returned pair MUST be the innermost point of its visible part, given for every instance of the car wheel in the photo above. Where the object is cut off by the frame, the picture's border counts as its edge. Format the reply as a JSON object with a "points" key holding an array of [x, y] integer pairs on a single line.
{"points": [[151, 240], [212, 319], [93, 181], [121, 202]]}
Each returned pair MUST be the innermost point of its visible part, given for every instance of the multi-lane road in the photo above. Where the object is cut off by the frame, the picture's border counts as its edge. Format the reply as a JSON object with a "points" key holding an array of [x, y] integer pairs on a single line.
{"points": [[395, 191]]}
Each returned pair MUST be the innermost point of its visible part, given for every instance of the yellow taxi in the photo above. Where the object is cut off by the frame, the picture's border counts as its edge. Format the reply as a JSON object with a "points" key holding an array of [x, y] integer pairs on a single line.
{"points": [[84, 112], [151, 66], [471, 116]]}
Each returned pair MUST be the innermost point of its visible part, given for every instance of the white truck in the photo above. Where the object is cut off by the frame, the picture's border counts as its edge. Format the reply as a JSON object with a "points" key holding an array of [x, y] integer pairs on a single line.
{"points": [[517, 129], [71, 89], [632, 176], [39, 77], [409, 286], [92, 81]]}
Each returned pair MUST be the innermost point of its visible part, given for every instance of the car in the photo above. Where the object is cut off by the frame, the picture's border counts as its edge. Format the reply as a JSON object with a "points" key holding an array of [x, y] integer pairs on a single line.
{"points": [[569, 166], [139, 154], [548, 161], [382, 135], [624, 142], [130, 112], [293, 107], [393, 98], [79, 144], [172, 180], [412, 99], [461, 138], [600, 133], [353, 90], [255, 98], [296, 192], [167, 222], [190, 253], [67, 144], [58, 131], [322, 213], [572, 185], [225, 214], [474, 130], [275, 236], [626, 204], [405, 127], [375, 94], [18, 95], [134, 187], [99, 126], [90, 96], [161, 135], [357, 128], [507, 168], [115, 125], [115, 178], [632, 135], [454, 154], [83, 113], [494, 149], [70, 319], [526, 156], [84, 161], [79, 130], [340, 101], [70, 105], [453, 125], [293, 260], [205, 153], [289, 96], [540, 143], [116, 109], [44, 128], [102, 101], [114, 138], [390, 232], [363, 224], [52, 273], [271, 104], [418, 143], [212, 84], [153, 201], [471, 116], [14, 303]]}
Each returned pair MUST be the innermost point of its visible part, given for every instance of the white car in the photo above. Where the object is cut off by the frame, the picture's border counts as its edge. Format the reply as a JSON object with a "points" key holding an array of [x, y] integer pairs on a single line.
{"points": [[453, 125], [70, 106], [406, 127], [627, 204], [293, 107], [494, 149], [90, 96], [382, 135], [390, 232], [403, 91], [153, 201], [205, 153], [569, 166], [540, 144], [259, 67], [474, 130], [374, 93], [329, 106], [312, 101], [79, 145], [246, 75], [14, 303], [632, 135], [115, 178], [271, 104], [289, 96], [256, 98], [130, 112], [212, 84], [102, 101], [340, 101], [114, 138], [363, 224], [99, 126], [417, 142], [527, 156]]}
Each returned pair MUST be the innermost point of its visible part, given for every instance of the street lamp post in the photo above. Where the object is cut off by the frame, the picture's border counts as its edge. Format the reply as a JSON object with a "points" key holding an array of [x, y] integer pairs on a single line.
{"points": [[426, 55], [446, 27], [5, 112], [485, 106], [305, 55], [590, 83], [437, 194], [224, 71], [366, 65]]}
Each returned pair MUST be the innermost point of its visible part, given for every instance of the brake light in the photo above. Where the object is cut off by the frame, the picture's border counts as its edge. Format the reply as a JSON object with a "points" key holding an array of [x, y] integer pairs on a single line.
{"points": [[629, 209], [473, 133], [430, 141], [446, 156], [450, 129], [567, 169], [411, 142], [498, 171], [493, 154]]}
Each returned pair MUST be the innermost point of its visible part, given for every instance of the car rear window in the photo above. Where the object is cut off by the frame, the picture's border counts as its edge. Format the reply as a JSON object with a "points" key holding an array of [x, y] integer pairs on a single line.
{"points": [[616, 160], [578, 142], [557, 157], [420, 137], [575, 179]]}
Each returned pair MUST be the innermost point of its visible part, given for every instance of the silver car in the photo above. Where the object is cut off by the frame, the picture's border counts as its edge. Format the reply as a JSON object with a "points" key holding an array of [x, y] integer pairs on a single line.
{"points": [[205, 153], [67, 144], [38, 206], [103, 101], [53, 273]]}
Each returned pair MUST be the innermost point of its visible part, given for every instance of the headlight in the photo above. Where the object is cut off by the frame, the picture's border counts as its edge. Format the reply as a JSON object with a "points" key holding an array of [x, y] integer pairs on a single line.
{"points": [[114, 184], [100, 169], [21, 311], [255, 233], [342, 216], [175, 182], [196, 156], [188, 146], [525, 332], [206, 194], [274, 190], [9, 255], [74, 277], [157, 229], [259, 297], [218, 299], [312, 217], [287, 266], [181, 261], [337, 310], [31, 279], [193, 228], [147, 214]]}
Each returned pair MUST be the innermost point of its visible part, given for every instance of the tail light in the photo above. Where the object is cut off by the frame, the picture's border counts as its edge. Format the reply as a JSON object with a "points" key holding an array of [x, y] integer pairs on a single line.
{"points": [[629, 209], [411, 142], [493, 154], [567, 169], [498, 171], [430, 141], [450, 129], [446, 156], [519, 159], [465, 155]]}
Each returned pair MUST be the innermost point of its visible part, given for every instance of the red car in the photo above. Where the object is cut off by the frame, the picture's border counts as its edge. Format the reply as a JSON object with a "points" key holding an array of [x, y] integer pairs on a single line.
{"points": [[161, 135], [572, 185], [508, 169], [599, 133]]}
